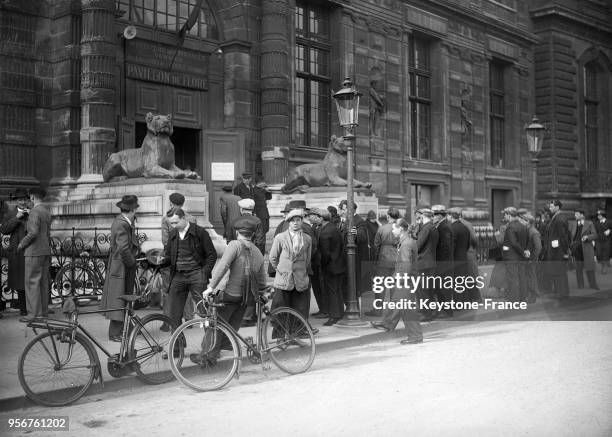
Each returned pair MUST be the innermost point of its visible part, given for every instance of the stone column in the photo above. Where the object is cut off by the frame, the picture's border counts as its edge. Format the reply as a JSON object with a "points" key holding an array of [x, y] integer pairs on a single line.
{"points": [[275, 88], [97, 87]]}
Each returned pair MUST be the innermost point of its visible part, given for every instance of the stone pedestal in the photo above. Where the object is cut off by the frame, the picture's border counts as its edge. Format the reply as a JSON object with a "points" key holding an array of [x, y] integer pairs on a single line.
{"points": [[87, 208], [319, 197]]}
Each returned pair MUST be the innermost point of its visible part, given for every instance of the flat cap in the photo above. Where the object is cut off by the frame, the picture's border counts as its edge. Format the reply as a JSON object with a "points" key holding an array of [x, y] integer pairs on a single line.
{"points": [[323, 213], [246, 204], [245, 223], [426, 211], [438, 209], [511, 210], [177, 199], [522, 211], [455, 210]]}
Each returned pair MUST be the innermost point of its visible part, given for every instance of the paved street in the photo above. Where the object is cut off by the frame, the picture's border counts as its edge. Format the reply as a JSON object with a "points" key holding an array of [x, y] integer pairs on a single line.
{"points": [[490, 379]]}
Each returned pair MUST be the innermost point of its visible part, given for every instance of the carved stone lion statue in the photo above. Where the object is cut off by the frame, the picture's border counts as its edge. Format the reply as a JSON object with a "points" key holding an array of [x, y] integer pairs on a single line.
{"points": [[155, 159], [330, 172]]}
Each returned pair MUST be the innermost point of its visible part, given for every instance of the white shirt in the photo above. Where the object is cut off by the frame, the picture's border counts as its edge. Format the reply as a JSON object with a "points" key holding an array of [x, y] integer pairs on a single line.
{"points": [[184, 232], [127, 219]]}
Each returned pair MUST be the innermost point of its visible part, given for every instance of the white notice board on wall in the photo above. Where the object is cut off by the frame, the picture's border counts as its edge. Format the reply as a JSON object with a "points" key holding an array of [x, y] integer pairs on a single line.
{"points": [[222, 171]]}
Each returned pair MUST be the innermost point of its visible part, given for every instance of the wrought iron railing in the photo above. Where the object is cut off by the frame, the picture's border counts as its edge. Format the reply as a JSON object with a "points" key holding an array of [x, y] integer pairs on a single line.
{"points": [[78, 266]]}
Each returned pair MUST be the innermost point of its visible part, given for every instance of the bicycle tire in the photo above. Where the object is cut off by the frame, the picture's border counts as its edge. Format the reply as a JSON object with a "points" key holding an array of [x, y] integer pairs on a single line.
{"points": [[77, 279], [289, 340], [46, 385], [149, 346], [217, 367]]}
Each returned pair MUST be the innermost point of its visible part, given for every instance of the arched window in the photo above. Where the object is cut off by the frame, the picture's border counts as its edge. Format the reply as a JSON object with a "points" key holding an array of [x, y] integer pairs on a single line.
{"points": [[171, 15]]}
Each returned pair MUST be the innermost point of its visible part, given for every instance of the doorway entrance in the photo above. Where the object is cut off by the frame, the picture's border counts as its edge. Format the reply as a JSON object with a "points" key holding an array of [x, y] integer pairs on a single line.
{"points": [[186, 146], [500, 199]]}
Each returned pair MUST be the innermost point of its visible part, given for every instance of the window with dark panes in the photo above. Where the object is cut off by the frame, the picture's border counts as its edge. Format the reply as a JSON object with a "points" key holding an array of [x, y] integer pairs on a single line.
{"points": [[312, 84], [419, 73], [170, 15], [497, 113], [591, 106]]}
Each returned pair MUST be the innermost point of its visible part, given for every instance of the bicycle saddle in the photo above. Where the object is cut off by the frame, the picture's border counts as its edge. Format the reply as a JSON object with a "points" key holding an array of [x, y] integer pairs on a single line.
{"points": [[129, 297]]}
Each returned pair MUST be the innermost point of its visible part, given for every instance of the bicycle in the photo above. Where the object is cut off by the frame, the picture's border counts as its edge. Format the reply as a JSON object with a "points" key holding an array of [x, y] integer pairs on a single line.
{"points": [[58, 366], [283, 336]]}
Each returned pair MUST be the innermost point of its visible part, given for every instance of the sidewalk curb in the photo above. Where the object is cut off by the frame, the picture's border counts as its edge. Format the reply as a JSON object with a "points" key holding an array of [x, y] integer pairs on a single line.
{"points": [[465, 318]]}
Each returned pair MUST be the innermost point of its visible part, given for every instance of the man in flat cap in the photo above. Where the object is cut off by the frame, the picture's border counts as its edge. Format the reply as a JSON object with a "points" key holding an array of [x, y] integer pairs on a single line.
{"points": [[259, 239], [515, 254], [244, 189], [245, 263], [15, 224], [229, 209], [290, 256], [121, 267], [556, 249]]}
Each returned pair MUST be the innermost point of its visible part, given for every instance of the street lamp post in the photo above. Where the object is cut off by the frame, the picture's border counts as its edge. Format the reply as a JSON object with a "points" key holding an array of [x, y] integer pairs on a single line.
{"points": [[347, 104], [535, 137]]}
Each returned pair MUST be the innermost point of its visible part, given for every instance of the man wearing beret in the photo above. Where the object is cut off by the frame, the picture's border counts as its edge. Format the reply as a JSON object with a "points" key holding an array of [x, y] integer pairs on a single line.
{"points": [[427, 242], [14, 224], [121, 267]]}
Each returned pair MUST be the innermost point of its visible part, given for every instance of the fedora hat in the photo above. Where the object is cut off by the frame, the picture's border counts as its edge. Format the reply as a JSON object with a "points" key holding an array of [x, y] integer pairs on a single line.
{"points": [[128, 202], [20, 193]]}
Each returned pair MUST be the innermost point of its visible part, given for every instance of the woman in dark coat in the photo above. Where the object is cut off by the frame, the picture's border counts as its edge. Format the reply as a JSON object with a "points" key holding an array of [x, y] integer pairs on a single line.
{"points": [[14, 224]]}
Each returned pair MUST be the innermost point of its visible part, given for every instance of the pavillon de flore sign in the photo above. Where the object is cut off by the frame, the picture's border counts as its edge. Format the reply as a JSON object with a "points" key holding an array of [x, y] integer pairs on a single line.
{"points": [[174, 78]]}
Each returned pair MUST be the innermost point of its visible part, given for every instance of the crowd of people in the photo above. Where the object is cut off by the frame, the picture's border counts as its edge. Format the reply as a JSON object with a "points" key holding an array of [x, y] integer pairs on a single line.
{"points": [[309, 252]]}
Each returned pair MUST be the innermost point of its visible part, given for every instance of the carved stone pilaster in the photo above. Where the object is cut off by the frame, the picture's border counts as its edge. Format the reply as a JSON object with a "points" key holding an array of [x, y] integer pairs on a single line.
{"points": [[97, 87], [275, 88]]}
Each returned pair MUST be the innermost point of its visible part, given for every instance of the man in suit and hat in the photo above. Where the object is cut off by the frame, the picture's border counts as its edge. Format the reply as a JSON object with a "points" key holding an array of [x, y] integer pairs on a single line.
{"points": [[583, 235], [556, 249], [602, 244], [229, 209], [121, 268], [444, 253], [244, 189], [333, 266], [37, 253], [427, 242], [14, 224]]}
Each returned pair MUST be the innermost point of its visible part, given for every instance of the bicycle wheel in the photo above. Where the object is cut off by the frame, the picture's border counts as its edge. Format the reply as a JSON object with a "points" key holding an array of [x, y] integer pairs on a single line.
{"points": [[205, 355], [54, 374], [289, 340], [149, 347]]}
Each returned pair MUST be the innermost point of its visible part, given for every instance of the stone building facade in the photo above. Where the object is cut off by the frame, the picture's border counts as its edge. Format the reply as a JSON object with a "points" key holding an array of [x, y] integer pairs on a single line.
{"points": [[573, 91], [448, 86]]}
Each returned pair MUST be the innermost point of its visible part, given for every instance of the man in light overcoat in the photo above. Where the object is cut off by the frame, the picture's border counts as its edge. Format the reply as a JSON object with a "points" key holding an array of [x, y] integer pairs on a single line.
{"points": [[290, 257]]}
